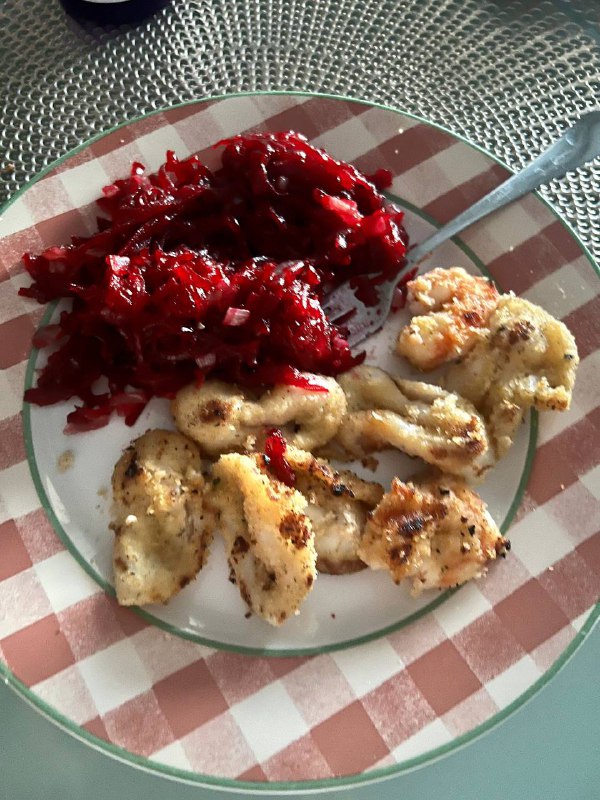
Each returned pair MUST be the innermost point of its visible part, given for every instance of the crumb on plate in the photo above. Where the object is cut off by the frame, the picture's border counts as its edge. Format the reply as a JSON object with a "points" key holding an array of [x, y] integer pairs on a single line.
{"points": [[65, 461]]}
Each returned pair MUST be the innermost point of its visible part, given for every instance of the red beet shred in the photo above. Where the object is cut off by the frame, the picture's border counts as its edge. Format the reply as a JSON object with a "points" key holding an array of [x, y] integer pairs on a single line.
{"points": [[194, 273], [275, 460]]}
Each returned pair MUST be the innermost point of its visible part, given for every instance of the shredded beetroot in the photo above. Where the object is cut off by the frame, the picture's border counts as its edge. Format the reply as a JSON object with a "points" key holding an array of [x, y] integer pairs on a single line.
{"points": [[401, 291], [194, 273], [276, 462]]}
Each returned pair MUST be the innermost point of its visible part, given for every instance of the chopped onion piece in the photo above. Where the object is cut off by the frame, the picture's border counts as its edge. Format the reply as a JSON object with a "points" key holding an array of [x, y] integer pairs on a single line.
{"points": [[236, 316], [207, 361]]}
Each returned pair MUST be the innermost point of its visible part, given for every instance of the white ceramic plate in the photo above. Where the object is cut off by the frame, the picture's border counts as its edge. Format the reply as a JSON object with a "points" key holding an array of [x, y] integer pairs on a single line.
{"points": [[366, 679]]}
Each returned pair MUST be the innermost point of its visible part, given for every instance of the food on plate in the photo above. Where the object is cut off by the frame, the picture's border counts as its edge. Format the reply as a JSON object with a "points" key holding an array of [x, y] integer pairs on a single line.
{"points": [[161, 539], [286, 514], [206, 287], [437, 533], [65, 461], [194, 272], [418, 418], [268, 536], [450, 309], [525, 359], [338, 505], [223, 417]]}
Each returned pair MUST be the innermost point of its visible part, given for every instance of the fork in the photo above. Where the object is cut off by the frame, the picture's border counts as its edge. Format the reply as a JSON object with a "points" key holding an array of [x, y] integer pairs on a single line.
{"points": [[578, 145]]}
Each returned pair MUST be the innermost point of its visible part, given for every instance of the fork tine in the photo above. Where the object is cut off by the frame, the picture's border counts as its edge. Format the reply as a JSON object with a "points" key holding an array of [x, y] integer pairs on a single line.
{"points": [[364, 325], [357, 320], [340, 302], [342, 321]]}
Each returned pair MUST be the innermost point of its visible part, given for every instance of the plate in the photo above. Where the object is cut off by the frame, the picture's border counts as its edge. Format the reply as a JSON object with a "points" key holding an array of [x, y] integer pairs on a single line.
{"points": [[366, 681]]}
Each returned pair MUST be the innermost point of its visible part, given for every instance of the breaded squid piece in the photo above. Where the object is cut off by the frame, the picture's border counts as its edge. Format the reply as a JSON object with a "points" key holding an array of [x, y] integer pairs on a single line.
{"points": [[161, 539], [418, 418], [338, 508], [438, 533], [526, 359], [451, 308], [268, 537], [223, 418]]}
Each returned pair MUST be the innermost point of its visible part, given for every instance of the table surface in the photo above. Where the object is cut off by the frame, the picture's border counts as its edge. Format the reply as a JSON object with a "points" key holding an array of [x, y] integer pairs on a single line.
{"points": [[548, 750], [508, 76]]}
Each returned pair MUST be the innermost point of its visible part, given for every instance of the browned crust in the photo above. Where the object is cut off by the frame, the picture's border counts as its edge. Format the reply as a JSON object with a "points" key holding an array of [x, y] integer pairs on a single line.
{"points": [[328, 567]]}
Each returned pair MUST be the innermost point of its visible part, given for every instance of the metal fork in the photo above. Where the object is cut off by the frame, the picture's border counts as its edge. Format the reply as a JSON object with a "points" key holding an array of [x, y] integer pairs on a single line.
{"points": [[578, 145]]}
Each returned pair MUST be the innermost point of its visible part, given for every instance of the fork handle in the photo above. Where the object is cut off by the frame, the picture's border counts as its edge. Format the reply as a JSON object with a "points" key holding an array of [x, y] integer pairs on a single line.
{"points": [[578, 145]]}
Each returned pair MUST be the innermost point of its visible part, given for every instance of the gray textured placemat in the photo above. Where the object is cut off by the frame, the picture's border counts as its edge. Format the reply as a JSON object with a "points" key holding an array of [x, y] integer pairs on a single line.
{"points": [[507, 75]]}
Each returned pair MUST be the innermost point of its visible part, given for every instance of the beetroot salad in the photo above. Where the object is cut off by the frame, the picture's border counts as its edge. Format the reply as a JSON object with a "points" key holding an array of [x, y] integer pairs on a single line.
{"points": [[195, 272]]}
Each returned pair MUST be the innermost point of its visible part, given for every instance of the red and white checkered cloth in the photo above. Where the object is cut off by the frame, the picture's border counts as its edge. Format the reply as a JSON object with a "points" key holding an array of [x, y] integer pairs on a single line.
{"points": [[227, 715]]}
